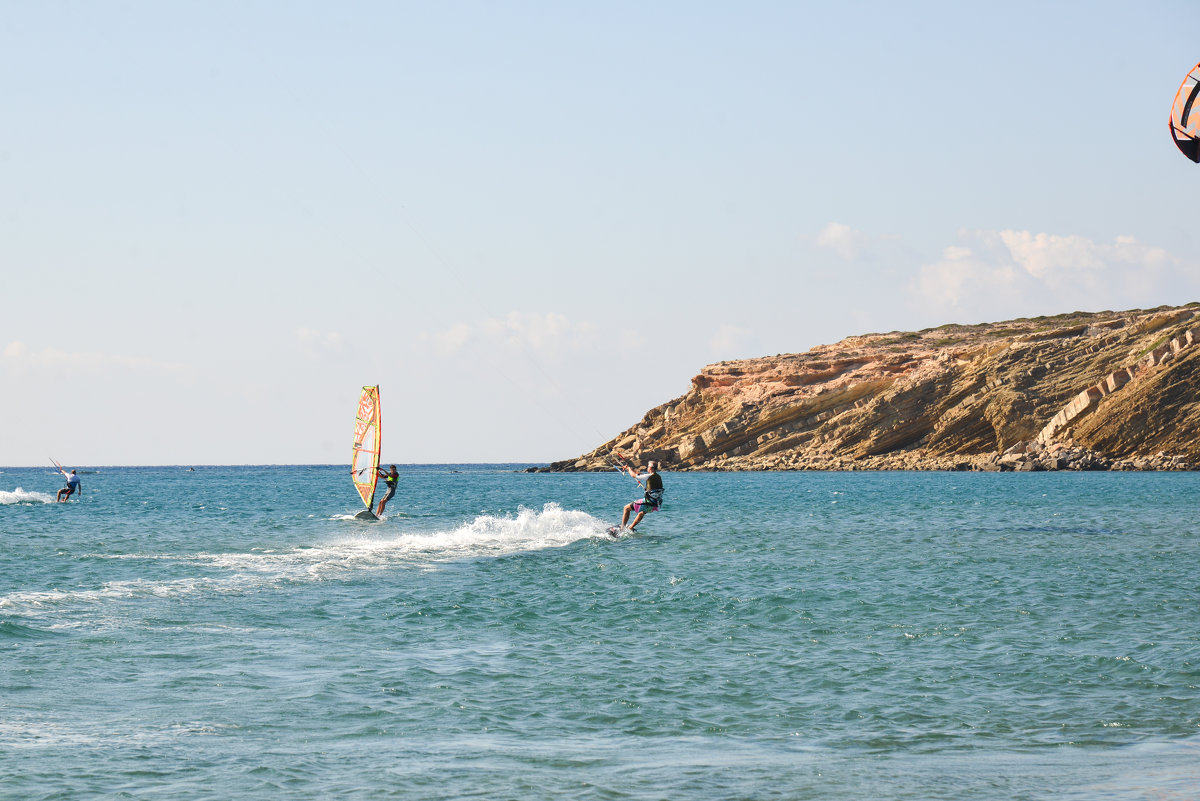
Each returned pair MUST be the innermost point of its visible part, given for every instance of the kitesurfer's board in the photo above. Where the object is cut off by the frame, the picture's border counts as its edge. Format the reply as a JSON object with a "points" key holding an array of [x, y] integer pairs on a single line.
{"points": [[616, 531]]}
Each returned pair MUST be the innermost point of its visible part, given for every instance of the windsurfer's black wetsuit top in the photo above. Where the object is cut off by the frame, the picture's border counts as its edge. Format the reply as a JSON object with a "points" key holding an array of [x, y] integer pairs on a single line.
{"points": [[654, 490]]}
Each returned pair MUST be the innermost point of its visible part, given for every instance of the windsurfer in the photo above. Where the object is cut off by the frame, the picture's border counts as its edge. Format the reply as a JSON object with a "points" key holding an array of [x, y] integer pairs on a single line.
{"points": [[390, 477], [72, 485], [651, 481]]}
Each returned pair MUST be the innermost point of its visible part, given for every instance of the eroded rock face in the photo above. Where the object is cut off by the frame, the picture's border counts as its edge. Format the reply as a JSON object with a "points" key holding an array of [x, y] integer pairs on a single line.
{"points": [[1110, 390]]}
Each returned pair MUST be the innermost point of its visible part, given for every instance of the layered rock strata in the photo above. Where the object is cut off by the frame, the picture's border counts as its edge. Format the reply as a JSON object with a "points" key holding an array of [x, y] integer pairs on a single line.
{"points": [[1106, 390]]}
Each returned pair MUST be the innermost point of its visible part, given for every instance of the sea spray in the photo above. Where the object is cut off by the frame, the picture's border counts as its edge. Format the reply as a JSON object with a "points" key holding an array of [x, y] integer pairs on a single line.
{"points": [[20, 495]]}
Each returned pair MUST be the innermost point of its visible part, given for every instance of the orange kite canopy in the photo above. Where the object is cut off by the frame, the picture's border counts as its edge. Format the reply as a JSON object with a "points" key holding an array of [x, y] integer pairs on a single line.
{"points": [[1185, 117]]}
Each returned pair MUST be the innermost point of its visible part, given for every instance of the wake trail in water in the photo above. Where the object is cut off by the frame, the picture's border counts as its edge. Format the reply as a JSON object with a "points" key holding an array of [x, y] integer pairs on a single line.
{"points": [[486, 536], [20, 496]]}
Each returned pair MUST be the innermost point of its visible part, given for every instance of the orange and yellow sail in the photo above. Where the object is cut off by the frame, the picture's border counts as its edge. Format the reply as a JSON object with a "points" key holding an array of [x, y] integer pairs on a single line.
{"points": [[364, 467]]}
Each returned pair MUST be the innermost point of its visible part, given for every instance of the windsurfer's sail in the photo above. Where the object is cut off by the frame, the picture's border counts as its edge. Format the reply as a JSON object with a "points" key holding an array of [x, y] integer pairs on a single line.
{"points": [[1185, 117], [364, 467]]}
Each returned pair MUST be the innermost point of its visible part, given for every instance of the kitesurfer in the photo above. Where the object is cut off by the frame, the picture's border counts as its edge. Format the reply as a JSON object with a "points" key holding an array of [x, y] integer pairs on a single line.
{"points": [[390, 477], [652, 483], [72, 485]]}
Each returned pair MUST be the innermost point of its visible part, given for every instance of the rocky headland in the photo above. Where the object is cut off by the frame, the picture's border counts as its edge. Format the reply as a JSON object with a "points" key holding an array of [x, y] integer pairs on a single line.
{"points": [[1079, 391]]}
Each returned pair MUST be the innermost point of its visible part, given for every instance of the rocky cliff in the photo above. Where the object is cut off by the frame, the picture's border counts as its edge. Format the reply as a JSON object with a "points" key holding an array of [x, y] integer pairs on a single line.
{"points": [[1107, 390]]}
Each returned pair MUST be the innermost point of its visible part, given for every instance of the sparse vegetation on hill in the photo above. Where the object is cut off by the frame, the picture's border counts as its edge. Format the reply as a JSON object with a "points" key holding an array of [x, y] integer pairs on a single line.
{"points": [[1104, 390]]}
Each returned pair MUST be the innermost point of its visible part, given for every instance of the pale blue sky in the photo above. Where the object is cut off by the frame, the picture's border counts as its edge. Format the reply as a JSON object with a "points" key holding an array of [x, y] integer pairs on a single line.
{"points": [[531, 222]]}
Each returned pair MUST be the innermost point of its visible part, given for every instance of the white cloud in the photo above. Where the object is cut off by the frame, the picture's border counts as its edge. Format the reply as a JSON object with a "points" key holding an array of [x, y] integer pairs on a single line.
{"points": [[1059, 259], [537, 332], [852, 245], [315, 344], [996, 274], [842, 240], [955, 279], [547, 334], [453, 339], [18, 356]]}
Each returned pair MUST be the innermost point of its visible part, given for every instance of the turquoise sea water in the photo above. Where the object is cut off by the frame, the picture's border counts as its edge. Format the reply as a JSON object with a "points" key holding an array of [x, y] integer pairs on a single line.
{"points": [[226, 633]]}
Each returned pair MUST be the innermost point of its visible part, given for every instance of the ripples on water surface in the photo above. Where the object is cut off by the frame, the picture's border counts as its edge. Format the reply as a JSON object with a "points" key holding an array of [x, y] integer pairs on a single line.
{"points": [[228, 633]]}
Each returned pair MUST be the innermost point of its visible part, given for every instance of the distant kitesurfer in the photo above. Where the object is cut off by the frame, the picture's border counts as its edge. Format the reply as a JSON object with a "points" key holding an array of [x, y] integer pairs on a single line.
{"points": [[390, 477], [652, 483], [72, 485]]}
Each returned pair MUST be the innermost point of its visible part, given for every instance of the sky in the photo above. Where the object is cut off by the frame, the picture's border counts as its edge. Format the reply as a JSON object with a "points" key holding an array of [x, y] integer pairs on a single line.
{"points": [[532, 222]]}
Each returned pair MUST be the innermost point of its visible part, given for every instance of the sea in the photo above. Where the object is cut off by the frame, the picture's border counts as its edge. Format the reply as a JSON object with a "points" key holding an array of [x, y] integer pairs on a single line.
{"points": [[234, 633]]}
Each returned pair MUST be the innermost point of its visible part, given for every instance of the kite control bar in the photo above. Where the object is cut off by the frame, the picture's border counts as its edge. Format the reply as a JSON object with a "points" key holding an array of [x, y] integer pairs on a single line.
{"points": [[625, 468]]}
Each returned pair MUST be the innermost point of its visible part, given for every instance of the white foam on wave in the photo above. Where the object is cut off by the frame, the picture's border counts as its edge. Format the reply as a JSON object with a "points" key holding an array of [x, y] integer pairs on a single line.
{"points": [[485, 536], [261, 569], [528, 530], [19, 495], [35, 731], [45, 600]]}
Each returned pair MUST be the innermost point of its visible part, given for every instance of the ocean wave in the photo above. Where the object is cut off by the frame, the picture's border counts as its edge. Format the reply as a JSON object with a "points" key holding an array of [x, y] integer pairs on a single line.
{"points": [[16, 631], [40, 601], [39, 732], [18, 496]]}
